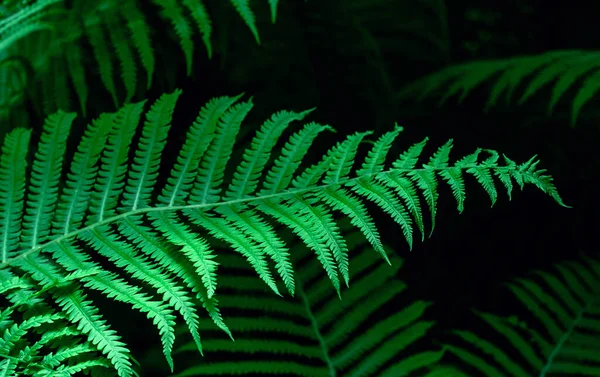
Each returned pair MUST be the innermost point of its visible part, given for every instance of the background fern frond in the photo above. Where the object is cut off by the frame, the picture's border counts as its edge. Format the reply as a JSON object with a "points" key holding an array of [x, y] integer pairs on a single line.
{"points": [[560, 337], [564, 69], [119, 35], [375, 330]]}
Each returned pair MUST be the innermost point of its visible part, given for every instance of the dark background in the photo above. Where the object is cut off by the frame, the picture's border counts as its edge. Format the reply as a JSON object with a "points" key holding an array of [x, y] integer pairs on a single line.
{"points": [[351, 58]]}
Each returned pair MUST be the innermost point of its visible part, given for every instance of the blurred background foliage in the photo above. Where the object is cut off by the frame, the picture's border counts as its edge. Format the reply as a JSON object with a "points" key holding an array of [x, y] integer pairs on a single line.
{"points": [[361, 63]]}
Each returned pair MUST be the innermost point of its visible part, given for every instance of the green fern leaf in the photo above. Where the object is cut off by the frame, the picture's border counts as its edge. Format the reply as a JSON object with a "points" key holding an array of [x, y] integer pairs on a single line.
{"points": [[245, 179], [280, 175], [377, 155], [144, 169], [111, 175], [198, 139], [383, 197], [109, 205], [76, 194], [44, 179], [12, 189], [197, 250], [352, 207], [212, 166]]}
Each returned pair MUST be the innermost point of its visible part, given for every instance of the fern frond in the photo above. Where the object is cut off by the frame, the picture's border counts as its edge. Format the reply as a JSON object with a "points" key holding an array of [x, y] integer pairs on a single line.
{"points": [[560, 338], [109, 205], [531, 73]]}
